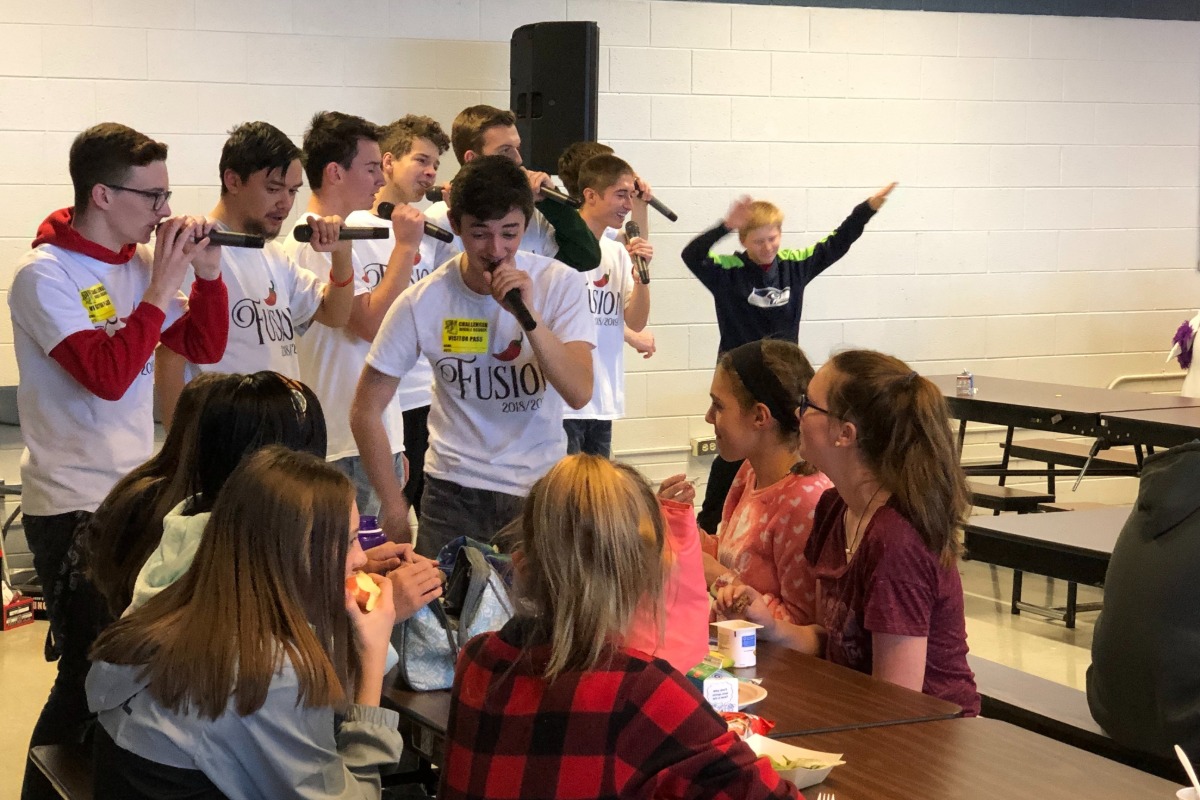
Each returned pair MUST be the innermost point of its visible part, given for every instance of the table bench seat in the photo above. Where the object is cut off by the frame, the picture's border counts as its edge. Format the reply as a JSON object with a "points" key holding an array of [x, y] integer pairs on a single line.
{"points": [[68, 767], [1058, 711], [1006, 498]]}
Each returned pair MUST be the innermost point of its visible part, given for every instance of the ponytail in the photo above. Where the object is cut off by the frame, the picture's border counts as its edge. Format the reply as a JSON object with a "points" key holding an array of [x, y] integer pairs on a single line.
{"points": [[904, 435]]}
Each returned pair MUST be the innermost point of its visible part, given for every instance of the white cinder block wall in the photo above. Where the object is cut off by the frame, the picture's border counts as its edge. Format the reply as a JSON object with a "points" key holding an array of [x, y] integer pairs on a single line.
{"points": [[1045, 227]]}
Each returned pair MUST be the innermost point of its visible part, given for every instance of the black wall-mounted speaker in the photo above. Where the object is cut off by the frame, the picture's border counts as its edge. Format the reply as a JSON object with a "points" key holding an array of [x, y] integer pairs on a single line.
{"points": [[554, 88]]}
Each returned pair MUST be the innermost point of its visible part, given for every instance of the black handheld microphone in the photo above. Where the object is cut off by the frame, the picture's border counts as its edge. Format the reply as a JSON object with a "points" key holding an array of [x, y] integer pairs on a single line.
{"points": [[661, 207], [512, 299], [560, 197], [231, 239], [435, 194], [303, 233], [439, 233], [632, 231]]}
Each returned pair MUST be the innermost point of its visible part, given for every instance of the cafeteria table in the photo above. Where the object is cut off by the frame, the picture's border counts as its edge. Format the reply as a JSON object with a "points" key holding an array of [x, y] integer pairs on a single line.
{"points": [[981, 759], [1074, 546], [805, 694], [1158, 427], [1061, 409]]}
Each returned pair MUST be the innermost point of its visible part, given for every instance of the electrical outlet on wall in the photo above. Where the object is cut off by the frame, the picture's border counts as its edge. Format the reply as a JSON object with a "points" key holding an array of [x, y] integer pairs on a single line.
{"points": [[704, 446]]}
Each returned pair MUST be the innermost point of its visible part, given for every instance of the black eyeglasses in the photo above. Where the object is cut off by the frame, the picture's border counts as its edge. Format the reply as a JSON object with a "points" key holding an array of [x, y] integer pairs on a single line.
{"points": [[806, 404], [159, 196]]}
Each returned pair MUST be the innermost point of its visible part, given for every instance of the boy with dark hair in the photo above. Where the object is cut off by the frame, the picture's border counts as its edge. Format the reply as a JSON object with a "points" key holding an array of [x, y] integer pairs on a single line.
{"points": [[555, 229], [759, 291], [271, 297], [495, 425], [412, 149], [89, 303], [333, 138], [573, 158], [616, 298], [344, 166]]}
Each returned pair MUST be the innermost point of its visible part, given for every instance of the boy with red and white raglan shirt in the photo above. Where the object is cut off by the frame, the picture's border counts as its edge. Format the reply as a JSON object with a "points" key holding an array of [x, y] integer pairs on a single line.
{"points": [[89, 304]]}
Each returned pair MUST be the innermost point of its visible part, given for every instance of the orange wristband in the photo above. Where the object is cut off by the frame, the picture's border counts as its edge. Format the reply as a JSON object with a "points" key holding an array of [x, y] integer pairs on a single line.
{"points": [[340, 284]]}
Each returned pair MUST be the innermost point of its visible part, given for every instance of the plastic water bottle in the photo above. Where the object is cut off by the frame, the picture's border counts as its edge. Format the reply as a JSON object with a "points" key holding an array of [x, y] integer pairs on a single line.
{"points": [[369, 533]]}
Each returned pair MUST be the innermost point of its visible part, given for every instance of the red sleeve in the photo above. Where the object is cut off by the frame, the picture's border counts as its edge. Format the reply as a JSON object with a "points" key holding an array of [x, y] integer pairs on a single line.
{"points": [[201, 333], [107, 365]]}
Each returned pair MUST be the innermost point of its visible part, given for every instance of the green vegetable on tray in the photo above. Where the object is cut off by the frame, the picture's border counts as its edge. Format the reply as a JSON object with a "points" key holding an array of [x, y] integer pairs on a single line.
{"points": [[801, 762]]}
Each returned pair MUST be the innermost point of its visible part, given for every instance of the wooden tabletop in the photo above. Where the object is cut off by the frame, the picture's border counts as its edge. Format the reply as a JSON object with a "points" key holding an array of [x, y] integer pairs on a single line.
{"points": [[973, 758], [806, 694], [1162, 427], [1047, 406]]}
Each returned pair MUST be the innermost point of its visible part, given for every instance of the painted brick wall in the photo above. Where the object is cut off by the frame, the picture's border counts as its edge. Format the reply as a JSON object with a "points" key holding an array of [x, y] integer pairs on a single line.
{"points": [[1045, 227]]}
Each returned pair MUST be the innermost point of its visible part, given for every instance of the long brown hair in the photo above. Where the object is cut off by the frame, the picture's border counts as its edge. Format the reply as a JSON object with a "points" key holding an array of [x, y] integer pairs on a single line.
{"points": [[266, 583], [904, 434], [791, 368], [128, 525], [590, 541]]}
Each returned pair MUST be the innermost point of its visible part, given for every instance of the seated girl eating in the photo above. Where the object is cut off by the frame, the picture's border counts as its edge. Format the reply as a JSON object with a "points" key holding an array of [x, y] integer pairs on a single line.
{"points": [[255, 675]]}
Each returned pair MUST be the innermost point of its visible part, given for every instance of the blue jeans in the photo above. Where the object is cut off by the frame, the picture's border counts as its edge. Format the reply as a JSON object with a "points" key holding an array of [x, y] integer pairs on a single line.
{"points": [[449, 510], [593, 436], [364, 493]]}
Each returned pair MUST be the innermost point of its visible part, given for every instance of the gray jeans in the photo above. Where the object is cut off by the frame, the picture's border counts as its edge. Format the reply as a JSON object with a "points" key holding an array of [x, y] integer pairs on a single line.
{"points": [[449, 511], [364, 493]]}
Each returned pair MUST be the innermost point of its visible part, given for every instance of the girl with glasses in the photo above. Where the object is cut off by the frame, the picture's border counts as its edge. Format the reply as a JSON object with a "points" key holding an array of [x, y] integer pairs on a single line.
{"points": [[884, 545]]}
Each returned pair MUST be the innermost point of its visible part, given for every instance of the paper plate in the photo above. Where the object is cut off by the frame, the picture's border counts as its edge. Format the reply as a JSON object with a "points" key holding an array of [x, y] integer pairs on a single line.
{"points": [[749, 694]]}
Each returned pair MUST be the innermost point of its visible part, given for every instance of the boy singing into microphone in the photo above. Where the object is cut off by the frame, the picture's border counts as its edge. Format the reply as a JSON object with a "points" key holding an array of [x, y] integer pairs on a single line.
{"points": [[617, 298], [271, 297], [412, 152], [495, 424], [555, 229], [344, 167]]}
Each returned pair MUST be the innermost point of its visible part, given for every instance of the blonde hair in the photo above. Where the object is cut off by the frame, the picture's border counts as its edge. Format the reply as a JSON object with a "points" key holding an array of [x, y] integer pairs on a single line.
{"points": [[590, 544], [904, 435], [762, 213]]}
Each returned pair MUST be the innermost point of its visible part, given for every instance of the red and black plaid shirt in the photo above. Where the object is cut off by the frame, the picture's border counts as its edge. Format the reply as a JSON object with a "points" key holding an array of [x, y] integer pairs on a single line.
{"points": [[633, 727]]}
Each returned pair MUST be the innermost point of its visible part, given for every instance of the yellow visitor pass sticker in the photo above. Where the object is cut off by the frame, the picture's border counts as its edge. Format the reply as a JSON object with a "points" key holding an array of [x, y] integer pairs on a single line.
{"points": [[464, 336], [97, 303]]}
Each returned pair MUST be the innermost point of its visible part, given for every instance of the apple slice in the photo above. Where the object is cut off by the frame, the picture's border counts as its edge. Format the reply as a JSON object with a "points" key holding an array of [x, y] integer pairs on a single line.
{"points": [[365, 591]]}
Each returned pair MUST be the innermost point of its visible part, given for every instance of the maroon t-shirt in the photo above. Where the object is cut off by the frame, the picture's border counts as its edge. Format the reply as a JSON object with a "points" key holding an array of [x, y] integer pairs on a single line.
{"points": [[894, 584]]}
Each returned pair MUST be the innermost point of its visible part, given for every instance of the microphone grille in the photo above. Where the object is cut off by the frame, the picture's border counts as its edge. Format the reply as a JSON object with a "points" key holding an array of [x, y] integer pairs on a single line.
{"points": [[385, 210], [632, 230]]}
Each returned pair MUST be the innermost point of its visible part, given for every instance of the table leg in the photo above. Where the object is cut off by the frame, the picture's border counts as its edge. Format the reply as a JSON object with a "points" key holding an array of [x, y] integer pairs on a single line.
{"points": [[1016, 592], [1072, 594]]}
